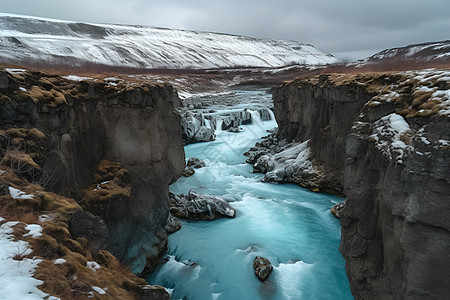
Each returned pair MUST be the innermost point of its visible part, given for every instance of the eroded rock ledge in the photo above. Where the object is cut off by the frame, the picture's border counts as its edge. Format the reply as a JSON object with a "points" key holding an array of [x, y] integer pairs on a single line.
{"points": [[85, 121], [383, 139]]}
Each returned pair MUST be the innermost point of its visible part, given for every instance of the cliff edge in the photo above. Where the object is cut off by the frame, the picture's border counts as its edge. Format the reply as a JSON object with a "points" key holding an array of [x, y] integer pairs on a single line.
{"points": [[118, 138], [382, 139]]}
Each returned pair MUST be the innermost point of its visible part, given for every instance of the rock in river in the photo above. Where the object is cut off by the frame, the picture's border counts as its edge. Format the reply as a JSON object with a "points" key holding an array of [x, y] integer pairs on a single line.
{"points": [[200, 207], [196, 163], [262, 267]]}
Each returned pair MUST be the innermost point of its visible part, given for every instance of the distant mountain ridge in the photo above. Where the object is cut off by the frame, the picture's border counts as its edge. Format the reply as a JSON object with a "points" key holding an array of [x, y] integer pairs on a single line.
{"points": [[425, 51], [36, 39]]}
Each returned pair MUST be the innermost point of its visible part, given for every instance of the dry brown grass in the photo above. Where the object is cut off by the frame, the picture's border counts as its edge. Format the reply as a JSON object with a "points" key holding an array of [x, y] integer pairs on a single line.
{"points": [[72, 279], [52, 98], [111, 171]]}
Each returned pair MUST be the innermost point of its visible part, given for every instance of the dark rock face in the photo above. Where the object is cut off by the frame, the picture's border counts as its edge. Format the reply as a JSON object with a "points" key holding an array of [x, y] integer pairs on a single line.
{"points": [[262, 267], [384, 139], [85, 122], [200, 207], [324, 115], [172, 224], [85, 224]]}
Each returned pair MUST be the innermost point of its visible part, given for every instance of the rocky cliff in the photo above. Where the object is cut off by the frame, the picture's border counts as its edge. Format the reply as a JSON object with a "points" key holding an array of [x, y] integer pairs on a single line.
{"points": [[383, 140], [88, 121]]}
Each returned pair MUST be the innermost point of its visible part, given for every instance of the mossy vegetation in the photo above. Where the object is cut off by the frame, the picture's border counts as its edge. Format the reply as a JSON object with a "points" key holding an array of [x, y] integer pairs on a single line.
{"points": [[414, 94], [68, 269]]}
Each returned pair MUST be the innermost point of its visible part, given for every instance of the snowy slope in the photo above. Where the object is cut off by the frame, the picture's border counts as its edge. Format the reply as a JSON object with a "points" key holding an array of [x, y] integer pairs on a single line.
{"points": [[425, 51], [39, 39]]}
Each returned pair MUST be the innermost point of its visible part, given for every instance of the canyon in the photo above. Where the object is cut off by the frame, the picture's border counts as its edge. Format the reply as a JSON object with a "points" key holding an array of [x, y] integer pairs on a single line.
{"points": [[88, 157]]}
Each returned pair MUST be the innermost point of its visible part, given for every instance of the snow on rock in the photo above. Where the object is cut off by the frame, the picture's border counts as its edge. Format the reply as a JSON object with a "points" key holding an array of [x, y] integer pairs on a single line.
{"points": [[15, 71], [16, 281], [59, 261], [389, 136], [18, 194], [45, 218], [441, 144], [93, 265], [76, 78], [99, 290], [35, 230], [23, 37], [289, 163]]}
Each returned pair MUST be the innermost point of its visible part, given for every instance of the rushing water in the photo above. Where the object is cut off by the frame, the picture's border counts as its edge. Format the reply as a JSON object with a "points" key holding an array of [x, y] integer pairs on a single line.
{"points": [[290, 226]]}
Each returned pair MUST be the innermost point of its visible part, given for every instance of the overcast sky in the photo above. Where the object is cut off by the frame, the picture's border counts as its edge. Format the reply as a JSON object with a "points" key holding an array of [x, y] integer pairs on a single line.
{"points": [[348, 29]]}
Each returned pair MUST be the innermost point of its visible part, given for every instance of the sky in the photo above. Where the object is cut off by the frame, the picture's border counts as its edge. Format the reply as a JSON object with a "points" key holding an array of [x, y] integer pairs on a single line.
{"points": [[348, 29]]}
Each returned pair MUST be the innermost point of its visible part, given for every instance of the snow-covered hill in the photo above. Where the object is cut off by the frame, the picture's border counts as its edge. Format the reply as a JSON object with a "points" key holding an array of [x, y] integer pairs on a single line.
{"points": [[425, 51], [25, 38]]}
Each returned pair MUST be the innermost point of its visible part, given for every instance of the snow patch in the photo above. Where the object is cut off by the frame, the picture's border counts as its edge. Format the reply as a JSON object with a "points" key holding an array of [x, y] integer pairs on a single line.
{"points": [[59, 261], [15, 71], [424, 140], [16, 275], [93, 265], [76, 78], [387, 132], [99, 290], [35, 230], [425, 89], [440, 144], [45, 218], [18, 194]]}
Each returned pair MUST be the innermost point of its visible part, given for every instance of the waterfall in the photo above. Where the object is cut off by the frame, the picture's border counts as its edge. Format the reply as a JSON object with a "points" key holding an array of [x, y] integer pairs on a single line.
{"points": [[256, 118], [207, 123], [272, 115], [219, 125]]}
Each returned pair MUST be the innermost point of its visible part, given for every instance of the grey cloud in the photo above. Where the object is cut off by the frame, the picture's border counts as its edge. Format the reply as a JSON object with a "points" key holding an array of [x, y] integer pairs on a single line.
{"points": [[347, 28]]}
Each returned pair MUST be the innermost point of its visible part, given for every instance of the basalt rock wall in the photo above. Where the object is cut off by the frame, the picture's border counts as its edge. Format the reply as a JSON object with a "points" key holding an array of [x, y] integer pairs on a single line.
{"points": [[385, 138], [316, 109], [84, 122]]}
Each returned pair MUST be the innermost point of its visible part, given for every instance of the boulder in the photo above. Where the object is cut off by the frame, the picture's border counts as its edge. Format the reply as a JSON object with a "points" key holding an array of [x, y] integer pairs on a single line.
{"points": [[262, 267], [154, 292], [204, 134], [234, 129], [172, 224], [93, 228], [336, 209], [200, 206], [188, 172], [195, 163], [192, 129]]}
